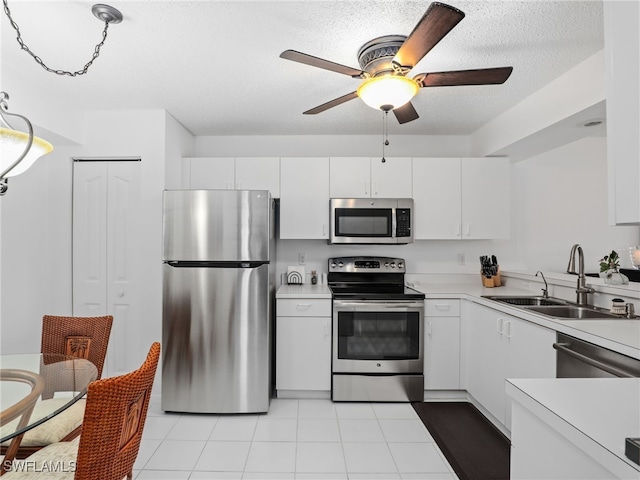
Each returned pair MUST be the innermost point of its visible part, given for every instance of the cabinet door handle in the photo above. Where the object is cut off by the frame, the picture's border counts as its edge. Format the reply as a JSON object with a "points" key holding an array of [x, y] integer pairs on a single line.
{"points": [[375, 188], [458, 229], [366, 188], [429, 328], [326, 329], [467, 229], [303, 306], [230, 186], [507, 326], [324, 230], [443, 306], [500, 325]]}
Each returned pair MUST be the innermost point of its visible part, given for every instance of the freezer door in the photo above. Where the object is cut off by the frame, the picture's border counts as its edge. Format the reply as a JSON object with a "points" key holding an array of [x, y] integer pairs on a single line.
{"points": [[217, 340], [217, 225]]}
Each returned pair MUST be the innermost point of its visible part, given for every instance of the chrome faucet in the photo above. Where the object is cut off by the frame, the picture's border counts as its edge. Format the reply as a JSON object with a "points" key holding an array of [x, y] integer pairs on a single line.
{"points": [[582, 291], [545, 290]]}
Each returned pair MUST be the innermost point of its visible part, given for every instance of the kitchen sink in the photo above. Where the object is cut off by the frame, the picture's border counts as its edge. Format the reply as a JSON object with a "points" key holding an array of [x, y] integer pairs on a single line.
{"points": [[525, 301], [574, 312]]}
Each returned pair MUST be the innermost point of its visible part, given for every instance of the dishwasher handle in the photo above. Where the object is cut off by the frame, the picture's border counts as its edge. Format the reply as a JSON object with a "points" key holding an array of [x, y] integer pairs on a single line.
{"points": [[563, 347]]}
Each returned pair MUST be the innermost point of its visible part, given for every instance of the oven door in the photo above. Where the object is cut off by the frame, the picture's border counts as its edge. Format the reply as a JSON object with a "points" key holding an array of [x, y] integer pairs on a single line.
{"points": [[383, 337]]}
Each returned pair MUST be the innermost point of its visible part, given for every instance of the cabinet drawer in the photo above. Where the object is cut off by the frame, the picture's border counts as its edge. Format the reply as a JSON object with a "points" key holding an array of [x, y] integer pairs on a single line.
{"points": [[442, 307], [303, 307]]}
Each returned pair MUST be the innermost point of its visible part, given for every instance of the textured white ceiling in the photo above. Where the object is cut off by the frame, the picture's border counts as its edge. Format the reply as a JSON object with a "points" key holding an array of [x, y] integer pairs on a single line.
{"points": [[215, 66]]}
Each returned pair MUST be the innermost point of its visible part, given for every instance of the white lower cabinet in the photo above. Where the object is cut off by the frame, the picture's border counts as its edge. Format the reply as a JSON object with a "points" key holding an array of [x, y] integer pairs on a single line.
{"points": [[496, 346], [442, 344], [303, 346]]}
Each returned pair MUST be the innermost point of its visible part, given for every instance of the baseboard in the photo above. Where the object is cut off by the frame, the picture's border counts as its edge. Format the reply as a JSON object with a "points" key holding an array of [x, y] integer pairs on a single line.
{"points": [[494, 421], [445, 396], [311, 394]]}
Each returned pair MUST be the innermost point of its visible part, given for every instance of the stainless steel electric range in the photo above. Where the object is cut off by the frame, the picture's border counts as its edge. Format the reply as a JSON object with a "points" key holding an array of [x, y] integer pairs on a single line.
{"points": [[378, 331]]}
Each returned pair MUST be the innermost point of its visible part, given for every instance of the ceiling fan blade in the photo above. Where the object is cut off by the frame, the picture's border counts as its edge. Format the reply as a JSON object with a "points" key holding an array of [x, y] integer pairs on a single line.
{"points": [[320, 63], [333, 103], [406, 113], [438, 20], [483, 76]]}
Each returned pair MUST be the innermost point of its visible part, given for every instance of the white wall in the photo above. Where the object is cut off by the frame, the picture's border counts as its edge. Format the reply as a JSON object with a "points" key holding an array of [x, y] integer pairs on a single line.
{"points": [[560, 198], [138, 133], [332, 145], [36, 249], [36, 255], [178, 143]]}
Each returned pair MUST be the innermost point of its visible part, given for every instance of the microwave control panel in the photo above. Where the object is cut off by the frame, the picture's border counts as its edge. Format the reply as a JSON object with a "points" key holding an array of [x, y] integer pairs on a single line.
{"points": [[403, 222]]}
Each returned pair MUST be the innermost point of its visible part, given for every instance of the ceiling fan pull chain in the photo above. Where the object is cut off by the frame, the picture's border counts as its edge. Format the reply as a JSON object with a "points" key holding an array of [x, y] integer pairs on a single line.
{"points": [[385, 134], [104, 13]]}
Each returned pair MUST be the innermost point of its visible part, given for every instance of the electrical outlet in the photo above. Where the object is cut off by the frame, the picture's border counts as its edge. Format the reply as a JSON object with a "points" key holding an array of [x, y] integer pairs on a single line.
{"points": [[302, 258], [461, 259]]}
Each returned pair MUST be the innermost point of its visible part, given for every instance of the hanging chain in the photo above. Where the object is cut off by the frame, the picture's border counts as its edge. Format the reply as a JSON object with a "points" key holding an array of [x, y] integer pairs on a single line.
{"points": [[38, 60], [385, 134]]}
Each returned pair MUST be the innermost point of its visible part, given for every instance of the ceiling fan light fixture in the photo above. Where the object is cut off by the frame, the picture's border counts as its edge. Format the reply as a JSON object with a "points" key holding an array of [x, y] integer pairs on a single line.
{"points": [[387, 92]]}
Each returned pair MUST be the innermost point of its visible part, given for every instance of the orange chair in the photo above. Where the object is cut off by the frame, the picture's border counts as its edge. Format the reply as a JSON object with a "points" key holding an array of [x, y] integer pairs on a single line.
{"points": [[113, 422], [80, 337]]}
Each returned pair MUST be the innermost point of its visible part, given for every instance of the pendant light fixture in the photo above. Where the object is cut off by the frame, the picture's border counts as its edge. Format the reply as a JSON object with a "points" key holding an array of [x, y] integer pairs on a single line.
{"points": [[104, 13], [18, 150]]}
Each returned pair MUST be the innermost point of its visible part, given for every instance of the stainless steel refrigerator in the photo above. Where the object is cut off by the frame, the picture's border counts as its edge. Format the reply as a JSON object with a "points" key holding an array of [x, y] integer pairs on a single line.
{"points": [[217, 300]]}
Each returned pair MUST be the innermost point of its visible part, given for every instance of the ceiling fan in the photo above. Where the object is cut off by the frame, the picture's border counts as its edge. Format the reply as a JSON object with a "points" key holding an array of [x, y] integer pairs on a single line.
{"points": [[386, 61]]}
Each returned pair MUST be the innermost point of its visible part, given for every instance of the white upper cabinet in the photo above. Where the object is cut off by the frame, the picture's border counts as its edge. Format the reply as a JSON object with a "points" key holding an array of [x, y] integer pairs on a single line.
{"points": [[216, 173], [350, 177], [261, 173], [486, 198], [464, 198], [437, 198], [243, 173], [622, 54], [304, 198], [391, 178], [365, 177]]}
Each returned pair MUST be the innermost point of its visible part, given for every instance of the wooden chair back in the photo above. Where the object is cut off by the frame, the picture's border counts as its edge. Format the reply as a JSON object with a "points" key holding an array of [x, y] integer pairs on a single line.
{"points": [[114, 418], [81, 337]]}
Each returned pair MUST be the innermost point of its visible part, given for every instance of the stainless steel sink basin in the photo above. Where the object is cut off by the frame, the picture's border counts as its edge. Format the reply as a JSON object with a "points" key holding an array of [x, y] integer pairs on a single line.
{"points": [[525, 301], [574, 312]]}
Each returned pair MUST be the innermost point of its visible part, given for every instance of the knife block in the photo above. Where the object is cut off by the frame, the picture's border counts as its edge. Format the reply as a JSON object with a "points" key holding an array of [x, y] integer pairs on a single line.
{"points": [[491, 282]]}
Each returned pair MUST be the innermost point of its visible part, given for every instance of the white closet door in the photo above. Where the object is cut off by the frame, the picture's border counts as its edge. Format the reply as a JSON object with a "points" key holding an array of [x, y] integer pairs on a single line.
{"points": [[106, 251], [89, 239]]}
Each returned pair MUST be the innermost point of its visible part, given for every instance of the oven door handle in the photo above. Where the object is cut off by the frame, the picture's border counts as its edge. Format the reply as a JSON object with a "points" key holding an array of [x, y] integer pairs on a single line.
{"points": [[379, 304], [563, 347]]}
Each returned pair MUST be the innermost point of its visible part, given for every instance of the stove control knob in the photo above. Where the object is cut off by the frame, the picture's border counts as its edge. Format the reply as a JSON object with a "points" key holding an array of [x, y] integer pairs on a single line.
{"points": [[386, 264], [340, 264], [400, 264], [393, 264], [333, 265]]}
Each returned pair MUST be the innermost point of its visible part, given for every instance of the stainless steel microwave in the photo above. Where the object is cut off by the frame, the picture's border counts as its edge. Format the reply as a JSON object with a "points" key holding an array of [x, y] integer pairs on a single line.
{"points": [[371, 220]]}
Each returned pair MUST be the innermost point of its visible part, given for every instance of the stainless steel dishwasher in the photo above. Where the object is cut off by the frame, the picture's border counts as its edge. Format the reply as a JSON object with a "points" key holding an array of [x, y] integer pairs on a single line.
{"points": [[579, 359]]}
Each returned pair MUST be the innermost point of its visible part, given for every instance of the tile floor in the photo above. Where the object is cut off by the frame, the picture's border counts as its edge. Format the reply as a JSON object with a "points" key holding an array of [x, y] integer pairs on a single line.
{"points": [[297, 439]]}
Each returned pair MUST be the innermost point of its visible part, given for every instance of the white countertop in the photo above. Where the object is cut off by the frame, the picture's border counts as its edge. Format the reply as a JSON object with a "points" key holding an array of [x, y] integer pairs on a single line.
{"points": [[621, 335], [602, 410], [303, 291]]}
